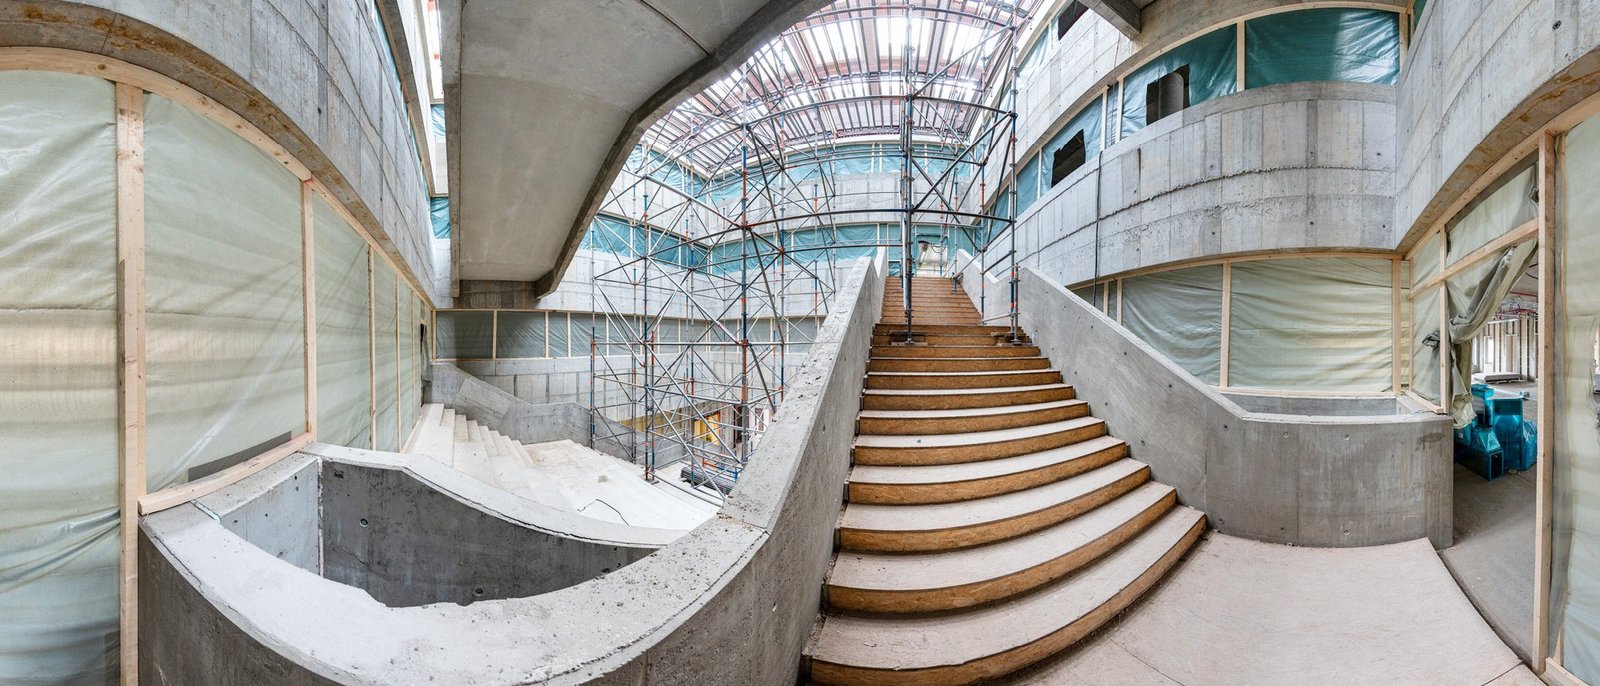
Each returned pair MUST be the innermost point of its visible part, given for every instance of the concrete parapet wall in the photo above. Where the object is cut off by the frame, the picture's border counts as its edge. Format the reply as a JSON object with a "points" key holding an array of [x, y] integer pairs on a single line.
{"points": [[1290, 167], [732, 602], [1327, 481]]}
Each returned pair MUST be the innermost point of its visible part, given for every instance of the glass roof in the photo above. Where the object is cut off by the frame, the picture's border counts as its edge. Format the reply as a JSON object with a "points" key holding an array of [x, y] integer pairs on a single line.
{"points": [[843, 72]]}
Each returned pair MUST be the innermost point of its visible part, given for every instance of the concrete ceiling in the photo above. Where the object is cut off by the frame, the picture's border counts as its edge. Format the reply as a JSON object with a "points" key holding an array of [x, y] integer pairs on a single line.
{"points": [[545, 98]]}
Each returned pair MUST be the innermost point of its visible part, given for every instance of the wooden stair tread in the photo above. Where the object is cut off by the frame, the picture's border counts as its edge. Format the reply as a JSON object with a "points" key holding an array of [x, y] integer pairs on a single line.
{"points": [[1047, 620], [998, 372], [940, 516], [967, 413], [948, 569], [911, 441], [983, 469], [996, 390]]}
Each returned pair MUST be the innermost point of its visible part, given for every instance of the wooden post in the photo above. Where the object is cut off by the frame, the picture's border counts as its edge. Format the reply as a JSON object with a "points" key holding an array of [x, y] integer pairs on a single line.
{"points": [[399, 373], [494, 334], [131, 338], [1544, 470], [1444, 324], [1227, 321], [309, 271], [1394, 324], [1238, 39]]}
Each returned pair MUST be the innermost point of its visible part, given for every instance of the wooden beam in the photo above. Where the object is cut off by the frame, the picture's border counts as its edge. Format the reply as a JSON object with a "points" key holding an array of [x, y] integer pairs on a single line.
{"points": [[182, 493], [1394, 324], [308, 246], [1238, 42], [131, 342], [1490, 249], [1544, 471], [1227, 322]]}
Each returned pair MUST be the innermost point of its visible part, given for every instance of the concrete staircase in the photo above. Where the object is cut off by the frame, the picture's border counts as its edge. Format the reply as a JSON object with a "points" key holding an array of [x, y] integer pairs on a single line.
{"points": [[559, 474], [990, 520]]}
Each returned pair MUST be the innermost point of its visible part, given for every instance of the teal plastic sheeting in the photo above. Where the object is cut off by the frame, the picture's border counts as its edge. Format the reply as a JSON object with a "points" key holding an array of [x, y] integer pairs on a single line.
{"points": [[439, 212], [225, 296], [344, 362], [1027, 184], [438, 118], [1416, 15], [1213, 63], [1179, 313], [1088, 122], [58, 368], [1334, 44]]}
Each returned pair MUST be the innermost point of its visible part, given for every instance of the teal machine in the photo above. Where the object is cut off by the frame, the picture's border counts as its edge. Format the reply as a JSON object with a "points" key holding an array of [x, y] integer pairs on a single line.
{"points": [[1498, 440]]}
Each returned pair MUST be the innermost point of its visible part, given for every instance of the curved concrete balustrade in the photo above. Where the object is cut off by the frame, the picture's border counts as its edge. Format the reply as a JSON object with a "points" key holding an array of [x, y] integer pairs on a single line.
{"points": [[1288, 167], [221, 609], [1339, 479]]}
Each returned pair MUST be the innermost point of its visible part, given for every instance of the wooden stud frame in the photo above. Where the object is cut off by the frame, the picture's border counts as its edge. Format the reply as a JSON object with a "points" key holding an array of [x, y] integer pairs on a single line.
{"points": [[1227, 323], [1544, 470], [131, 346]]}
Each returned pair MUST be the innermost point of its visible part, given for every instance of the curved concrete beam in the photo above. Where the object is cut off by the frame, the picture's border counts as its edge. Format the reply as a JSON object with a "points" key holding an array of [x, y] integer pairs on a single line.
{"points": [[545, 101]]}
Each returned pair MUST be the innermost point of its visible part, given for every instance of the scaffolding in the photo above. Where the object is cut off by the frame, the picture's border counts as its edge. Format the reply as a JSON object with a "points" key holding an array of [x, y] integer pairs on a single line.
{"points": [[859, 133]]}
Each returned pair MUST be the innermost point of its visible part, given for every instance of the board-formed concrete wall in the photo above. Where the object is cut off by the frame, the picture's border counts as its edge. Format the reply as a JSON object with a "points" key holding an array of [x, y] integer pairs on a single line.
{"points": [[1290, 167], [1481, 78], [1327, 481], [750, 577], [314, 76]]}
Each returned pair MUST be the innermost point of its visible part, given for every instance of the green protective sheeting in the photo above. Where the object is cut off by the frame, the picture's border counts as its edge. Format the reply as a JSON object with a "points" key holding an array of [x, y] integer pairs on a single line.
{"points": [[58, 366], [520, 335], [438, 118], [439, 212], [1213, 63], [1416, 15], [1334, 44], [225, 305], [467, 335], [1179, 313], [386, 359], [1086, 121], [1312, 324], [1575, 548], [344, 363]]}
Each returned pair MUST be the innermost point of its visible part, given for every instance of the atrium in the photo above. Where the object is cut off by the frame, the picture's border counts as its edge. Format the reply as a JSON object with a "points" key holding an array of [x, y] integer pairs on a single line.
{"points": [[924, 342]]}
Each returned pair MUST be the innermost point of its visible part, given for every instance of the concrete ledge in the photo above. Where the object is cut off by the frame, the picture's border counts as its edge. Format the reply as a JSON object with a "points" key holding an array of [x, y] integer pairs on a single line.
{"points": [[1312, 480], [230, 611]]}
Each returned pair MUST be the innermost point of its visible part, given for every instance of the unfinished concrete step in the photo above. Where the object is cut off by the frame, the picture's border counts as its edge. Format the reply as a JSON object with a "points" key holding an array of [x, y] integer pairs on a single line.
{"points": [[923, 485], [947, 351], [917, 450], [955, 364], [960, 398], [953, 580], [989, 642], [866, 527], [434, 437], [927, 380], [931, 422]]}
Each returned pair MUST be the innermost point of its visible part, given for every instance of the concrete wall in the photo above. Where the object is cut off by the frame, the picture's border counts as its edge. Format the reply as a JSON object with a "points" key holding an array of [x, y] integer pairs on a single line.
{"points": [[732, 602], [1280, 168], [1481, 78], [1306, 480], [312, 75]]}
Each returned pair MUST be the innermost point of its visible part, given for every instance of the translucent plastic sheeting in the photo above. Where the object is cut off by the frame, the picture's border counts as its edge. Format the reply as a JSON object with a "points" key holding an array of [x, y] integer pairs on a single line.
{"points": [[1312, 324], [582, 328], [386, 358], [1425, 264], [1333, 44], [1086, 122], [1512, 203], [439, 215], [521, 335], [410, 362], [1027, 184], [558, 335], [344, 359], [1575, 592], [438, 118], [1179, 313], [58, 433], [1425, 357], [464, 335], [1475, 295], [1213, 71], [226, 308]]}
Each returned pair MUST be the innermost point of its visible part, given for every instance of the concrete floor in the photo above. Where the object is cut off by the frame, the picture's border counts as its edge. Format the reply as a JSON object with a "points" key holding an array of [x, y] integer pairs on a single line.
{"points": [[1243, 612], [1492, 557]]}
